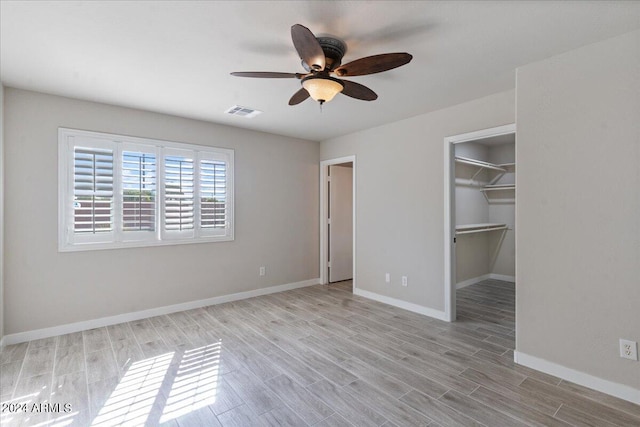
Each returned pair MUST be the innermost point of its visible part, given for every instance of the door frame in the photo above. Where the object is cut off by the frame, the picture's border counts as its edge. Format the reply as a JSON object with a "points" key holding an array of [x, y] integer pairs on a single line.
{"points": [[450, 209], [324, 214]]}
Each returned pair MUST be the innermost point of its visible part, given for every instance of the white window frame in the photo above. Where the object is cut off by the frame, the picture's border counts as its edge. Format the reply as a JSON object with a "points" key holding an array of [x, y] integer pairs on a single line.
{"points": [[69, 241]]}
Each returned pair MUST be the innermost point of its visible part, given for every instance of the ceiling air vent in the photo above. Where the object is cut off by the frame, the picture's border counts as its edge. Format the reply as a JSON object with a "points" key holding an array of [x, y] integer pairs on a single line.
{"points": [[238, 110]]}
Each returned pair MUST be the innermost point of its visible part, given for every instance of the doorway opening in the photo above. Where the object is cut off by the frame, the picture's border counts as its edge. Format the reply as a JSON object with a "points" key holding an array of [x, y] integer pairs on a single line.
{"points": [[337, 222], [479, 216]]}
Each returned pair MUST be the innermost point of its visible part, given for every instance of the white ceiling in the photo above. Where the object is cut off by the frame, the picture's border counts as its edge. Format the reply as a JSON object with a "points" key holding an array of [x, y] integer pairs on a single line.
{"points": [[175, 57]]}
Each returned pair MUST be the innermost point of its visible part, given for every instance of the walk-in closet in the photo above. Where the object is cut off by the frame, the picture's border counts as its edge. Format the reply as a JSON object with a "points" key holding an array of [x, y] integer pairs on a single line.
{"points": [[485, 189]]}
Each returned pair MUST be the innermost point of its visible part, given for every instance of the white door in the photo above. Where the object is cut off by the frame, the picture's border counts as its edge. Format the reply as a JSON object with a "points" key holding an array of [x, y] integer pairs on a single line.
{"points": [[341, 223]]}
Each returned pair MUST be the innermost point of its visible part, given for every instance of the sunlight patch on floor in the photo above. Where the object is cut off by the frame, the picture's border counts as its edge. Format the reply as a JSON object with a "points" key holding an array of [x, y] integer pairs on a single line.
{"points": [[163, 388], [134, 397], [195, 384]]}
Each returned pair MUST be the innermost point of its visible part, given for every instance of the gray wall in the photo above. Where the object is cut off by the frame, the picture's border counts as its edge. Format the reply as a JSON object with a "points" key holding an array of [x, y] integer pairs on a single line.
{"points": [[578, 211], [276, 219], [400, 196]]}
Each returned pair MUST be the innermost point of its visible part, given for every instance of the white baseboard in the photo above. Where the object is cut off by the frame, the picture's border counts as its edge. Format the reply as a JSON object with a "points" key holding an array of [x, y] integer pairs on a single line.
{"points": [[437, 314], [137, 315], [621, 391], [472, 281], [503, 277], [478, 279]]}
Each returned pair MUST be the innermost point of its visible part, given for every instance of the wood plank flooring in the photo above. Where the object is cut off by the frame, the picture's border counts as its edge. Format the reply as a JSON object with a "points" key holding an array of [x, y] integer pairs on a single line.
{"points": [[317, 356]]}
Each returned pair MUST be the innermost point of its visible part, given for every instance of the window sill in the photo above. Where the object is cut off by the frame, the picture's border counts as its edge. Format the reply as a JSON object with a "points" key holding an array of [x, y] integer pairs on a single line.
{"points": [[98, 246]]}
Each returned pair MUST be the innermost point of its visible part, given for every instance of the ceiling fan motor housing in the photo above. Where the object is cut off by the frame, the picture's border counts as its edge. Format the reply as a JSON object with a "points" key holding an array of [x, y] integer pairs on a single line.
{"points": [[334, 49]]}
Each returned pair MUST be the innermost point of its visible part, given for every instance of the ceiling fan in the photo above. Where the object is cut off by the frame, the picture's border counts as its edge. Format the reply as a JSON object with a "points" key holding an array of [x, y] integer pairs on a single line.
{"points": [[321, 58]]}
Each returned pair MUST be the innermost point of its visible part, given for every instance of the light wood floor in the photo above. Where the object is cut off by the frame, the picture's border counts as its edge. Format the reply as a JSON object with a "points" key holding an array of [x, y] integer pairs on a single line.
{"points": [[314, 356]]}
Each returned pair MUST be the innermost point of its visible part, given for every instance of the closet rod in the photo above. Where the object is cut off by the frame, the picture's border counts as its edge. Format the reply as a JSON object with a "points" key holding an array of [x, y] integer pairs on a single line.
{"points": [[480, 228], [499, 187], [479, 163]]}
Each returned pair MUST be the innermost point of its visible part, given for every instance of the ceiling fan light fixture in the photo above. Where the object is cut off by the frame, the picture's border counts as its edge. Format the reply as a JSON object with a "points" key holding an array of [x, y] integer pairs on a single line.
{"points": [[322, 89]]}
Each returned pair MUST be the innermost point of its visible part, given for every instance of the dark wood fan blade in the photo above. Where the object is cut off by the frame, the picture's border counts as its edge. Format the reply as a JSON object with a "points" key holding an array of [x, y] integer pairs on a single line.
{"points": [[299, 96], [358, 91], [374, 64], [308, 47], [267, 75]]}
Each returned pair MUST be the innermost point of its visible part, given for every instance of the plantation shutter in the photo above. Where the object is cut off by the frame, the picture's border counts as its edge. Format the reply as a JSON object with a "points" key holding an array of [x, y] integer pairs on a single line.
{"points": [[119, 191], [213, 194], [179, 176], [139, 184], [92, 190]]}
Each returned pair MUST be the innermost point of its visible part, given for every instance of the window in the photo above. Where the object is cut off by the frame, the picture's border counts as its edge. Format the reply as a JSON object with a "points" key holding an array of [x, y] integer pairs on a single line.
{"points": [[118, 191]]}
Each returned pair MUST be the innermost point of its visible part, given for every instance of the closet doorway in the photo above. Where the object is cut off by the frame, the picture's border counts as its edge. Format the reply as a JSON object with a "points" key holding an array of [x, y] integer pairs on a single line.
{"points": [[337, 221], [480, 199]]}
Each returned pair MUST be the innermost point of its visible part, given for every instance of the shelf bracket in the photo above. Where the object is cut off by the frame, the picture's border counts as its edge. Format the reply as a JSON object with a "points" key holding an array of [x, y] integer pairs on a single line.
{"points": [[497, 178], [473, 178]]}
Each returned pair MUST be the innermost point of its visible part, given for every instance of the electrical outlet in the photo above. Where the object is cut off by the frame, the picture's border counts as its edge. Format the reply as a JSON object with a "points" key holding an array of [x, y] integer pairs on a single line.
{"points": [[263, 271], [628, 349], [404, 281], [387, 278]]}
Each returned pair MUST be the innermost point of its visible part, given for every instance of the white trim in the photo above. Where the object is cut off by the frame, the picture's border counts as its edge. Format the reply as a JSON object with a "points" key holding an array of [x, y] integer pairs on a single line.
{"points": [[502, 277], [137, 315], [618, 390], [472, 281], [449, 233], [481, 134], [2, 160], [479, 279], [420, 309], [449, 210], [324, 279], [100, 246]]}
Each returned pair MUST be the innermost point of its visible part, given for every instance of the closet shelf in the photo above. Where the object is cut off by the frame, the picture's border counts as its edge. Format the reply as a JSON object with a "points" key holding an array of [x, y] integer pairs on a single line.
{"points": [[480, 164], [478, 228], [500, 189], [495, 187]]}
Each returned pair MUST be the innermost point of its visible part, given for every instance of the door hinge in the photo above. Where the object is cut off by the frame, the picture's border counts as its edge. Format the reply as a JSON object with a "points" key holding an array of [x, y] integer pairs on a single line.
{"points": [[329, 264], [329, 221], [454, 240]]}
